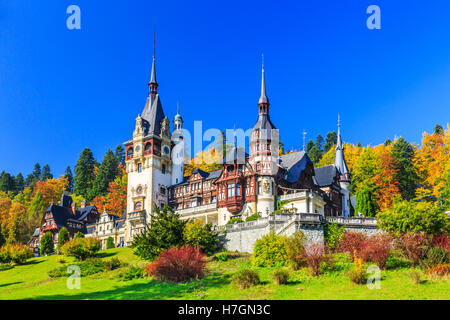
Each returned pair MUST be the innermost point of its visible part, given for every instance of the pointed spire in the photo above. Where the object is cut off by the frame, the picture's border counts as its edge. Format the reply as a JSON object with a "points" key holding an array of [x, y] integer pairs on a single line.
{"points": [[153, 85], [263, 98], [339, 161]]}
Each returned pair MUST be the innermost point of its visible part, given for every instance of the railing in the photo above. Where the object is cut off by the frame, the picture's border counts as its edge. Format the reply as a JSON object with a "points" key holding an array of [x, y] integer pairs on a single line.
{"points": [[352, 221], [295, 195], [136, 215], [197, 210]]}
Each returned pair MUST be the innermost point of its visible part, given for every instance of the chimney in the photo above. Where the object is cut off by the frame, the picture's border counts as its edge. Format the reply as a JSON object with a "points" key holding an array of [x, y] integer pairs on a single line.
{"points": [[83, 204], [74, 208]]}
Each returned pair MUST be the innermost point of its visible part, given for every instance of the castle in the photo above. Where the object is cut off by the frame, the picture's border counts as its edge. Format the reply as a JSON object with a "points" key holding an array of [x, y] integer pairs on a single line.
{"points": [[246, 184]]}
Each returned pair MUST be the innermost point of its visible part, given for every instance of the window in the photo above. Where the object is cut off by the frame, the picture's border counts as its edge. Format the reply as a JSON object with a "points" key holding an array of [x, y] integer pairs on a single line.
{"points": [[148, 146], [259, 187], [231, 190], [139, 167], [138, 206], [130, 152], [194, 203], [213, 199], [163, 170], [238, 190], [162, 190]]}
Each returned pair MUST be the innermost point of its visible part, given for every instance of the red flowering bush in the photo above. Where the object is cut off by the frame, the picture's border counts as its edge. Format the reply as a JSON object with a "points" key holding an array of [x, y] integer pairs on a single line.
{"points": [[376, 249], [315, 256], [414, 246], [352, 241], [441, 270], [442, 241], [178, 265]]}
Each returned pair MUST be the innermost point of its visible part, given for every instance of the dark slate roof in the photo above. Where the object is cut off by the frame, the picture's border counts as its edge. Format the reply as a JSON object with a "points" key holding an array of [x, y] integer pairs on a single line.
{"points": [[120, 224], [294, 164], [264, 123], [66, 201], [153, 114], [83, 212], [324, 176], [204, 174], [236, 154]]}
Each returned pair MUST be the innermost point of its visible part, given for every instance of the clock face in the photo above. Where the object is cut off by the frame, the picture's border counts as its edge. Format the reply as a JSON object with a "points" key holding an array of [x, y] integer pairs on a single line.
{"points": [[137, 148], [139, 190], [166, 150]]}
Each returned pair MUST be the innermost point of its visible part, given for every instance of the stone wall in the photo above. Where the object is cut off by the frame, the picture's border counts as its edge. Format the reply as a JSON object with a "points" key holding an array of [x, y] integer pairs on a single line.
{"points": [[242, 236]]}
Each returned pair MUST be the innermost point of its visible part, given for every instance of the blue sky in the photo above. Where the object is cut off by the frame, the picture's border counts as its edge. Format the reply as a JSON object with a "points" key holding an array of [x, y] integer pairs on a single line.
{"points": [[62, 90]]}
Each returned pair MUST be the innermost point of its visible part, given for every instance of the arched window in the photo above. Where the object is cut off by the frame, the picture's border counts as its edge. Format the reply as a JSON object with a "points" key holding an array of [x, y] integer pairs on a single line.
{"points": [[139, 167], [130, 152], [148, 146], [138, 206], [163, 169]]}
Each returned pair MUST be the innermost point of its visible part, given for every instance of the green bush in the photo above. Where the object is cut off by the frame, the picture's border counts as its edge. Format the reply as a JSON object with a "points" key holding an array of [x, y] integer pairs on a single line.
{"points": [[234, 220], [112, 264], [246, 278], [253, 217], [133, 272], [280, 276], [165, 231], [79, 234], [63, 237], [201, 235], [396, 260], [17, 253], [81, 248], [435, 256], [295, 251], [404, 217], [223, 256], [270, 251], [110, 243], [337, 262], [47, 245], [87, 268], [333, 235]]}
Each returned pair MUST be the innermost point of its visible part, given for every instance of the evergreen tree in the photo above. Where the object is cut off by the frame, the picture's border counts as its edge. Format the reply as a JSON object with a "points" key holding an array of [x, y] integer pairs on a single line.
{"points": [[35, 210], [330, 140], [119, 154], [364, 202], [165, 231], [444, 198], [36, 172], [47, 246], [30, 180], [309, 146], [387, 142], [84, 173], [313, 153], [69, 176], [403, 154], [110, 243], [359, 145], [438, 130], [319, 143], [46, 174], [63, 237], [19, 183], [107, 172], [6, 182]]}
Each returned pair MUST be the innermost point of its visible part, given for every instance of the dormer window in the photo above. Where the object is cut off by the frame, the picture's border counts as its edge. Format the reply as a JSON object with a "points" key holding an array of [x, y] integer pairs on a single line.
{"points": [[130, 152]]}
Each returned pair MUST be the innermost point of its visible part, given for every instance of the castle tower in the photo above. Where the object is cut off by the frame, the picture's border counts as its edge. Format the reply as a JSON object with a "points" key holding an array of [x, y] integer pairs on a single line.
{"points": [[342, 168], [148, 162], [264, 152], [178, 149]]}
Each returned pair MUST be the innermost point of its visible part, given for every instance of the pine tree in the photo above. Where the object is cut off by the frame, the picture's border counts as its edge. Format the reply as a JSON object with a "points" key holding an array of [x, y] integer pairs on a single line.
{"points": [[106, 173], [46, 174], [403, 154], [19, 183], [37, 172], [330, 140], [35, 210], [30, 180], [63, 237], [84, 173], [119, 154], [6, 182], [69, 177], [47, 245], [319, 143], [387, 142], [438, 130]]}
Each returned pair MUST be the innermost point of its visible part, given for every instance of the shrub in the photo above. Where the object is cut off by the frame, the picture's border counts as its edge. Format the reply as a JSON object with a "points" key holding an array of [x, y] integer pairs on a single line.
{"points": [[404, 217], [201, 235], [47, 245], [17, 253], [246, 278], [352, 241], [415, 276], [414, 246], [376, 249], [442, 241], [441, 270], [165, 231], [79, 234], [338, 262], [81, 248], [133, 272], [112, 264], [315, 256], [358, 274], [178, 265], [295, 251], [396, 260], [435, 256], [223, 256], [110, 243], [333, 235], [63, 237], [87, 268], [270, 251], [280, 276], [234, 220], [253, 217]]}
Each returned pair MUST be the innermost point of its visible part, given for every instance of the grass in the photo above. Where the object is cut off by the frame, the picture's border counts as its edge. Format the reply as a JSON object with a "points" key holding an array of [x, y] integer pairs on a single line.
{"points": [[31, 281]]}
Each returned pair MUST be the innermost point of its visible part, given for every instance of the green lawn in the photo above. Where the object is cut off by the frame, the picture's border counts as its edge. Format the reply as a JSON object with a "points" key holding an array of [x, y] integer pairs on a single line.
{"points": [[31, 281]]}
